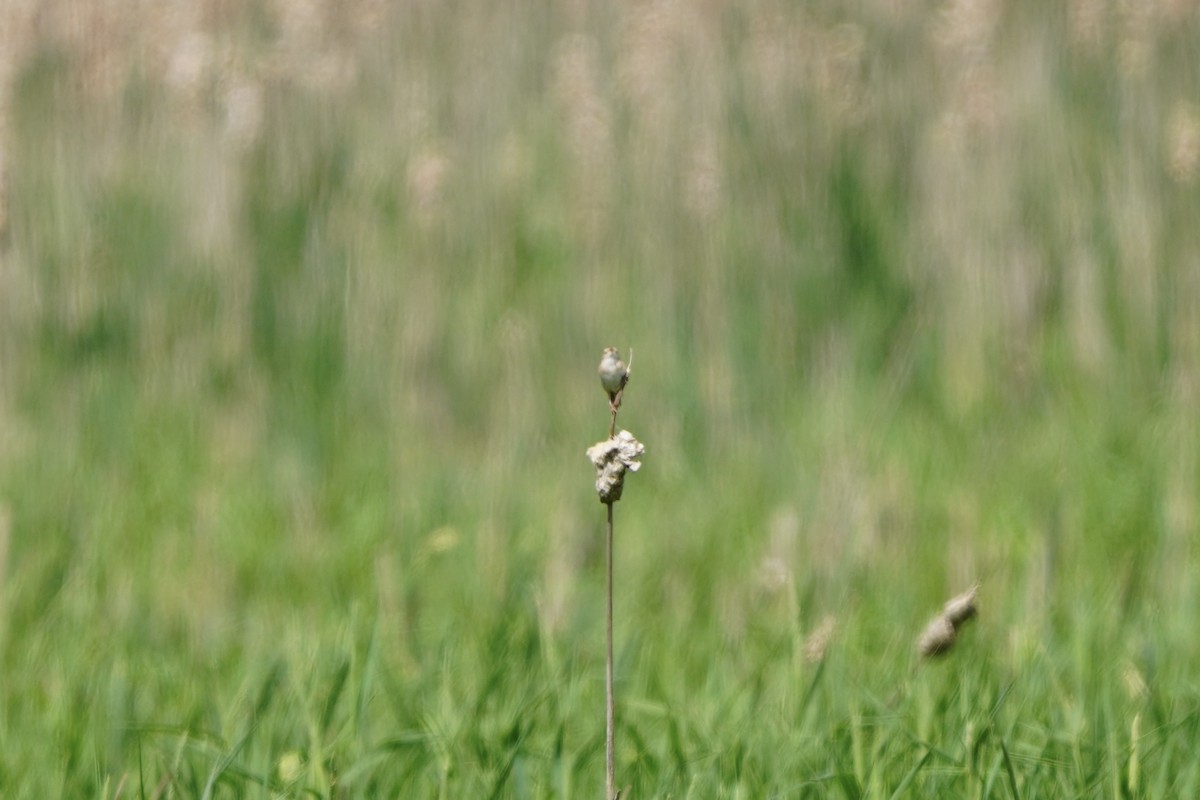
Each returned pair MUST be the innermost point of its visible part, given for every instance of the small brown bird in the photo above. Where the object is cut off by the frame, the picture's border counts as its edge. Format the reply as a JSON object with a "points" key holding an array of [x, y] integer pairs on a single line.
{"points": [[613, 376]]}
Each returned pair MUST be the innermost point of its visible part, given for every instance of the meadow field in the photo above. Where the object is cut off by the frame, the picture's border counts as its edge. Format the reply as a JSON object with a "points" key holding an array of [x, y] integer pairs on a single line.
{"points": [[301, 303]]}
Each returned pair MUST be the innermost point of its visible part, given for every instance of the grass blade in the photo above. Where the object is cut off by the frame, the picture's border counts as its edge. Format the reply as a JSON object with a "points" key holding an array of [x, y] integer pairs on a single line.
{"points": [[1012, 775], [912, 773]]}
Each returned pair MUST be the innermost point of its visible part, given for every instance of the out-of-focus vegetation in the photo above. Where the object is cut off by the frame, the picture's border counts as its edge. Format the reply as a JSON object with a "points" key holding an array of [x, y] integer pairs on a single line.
{"points": [[300, 307]]}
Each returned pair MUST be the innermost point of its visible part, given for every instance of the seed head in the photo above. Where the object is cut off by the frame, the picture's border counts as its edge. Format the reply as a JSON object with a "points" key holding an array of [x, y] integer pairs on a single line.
{"points": [[942, 631], [612, 458]]}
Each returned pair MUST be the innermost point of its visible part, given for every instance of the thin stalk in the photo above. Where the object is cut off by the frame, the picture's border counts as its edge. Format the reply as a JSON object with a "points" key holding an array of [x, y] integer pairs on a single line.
{"points": [[610, 713]]}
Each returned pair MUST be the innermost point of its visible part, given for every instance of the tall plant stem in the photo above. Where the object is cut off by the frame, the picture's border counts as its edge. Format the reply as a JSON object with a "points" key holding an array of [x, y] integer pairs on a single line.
{"points": [[610, 715]]}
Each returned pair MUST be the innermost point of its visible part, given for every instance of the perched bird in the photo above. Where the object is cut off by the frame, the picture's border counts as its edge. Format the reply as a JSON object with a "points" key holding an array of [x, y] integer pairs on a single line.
{"points": [[613, 376]]}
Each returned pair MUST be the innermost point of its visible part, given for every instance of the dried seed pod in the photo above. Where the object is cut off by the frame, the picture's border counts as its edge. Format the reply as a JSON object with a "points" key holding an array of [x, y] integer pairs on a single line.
{"points": [[612, 458]]}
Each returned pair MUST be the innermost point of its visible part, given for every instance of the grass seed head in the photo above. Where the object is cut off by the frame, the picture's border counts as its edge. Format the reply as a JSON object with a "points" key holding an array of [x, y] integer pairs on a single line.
{"points": [[942, 631], [937, 638], [961, 608], [818, 641]]}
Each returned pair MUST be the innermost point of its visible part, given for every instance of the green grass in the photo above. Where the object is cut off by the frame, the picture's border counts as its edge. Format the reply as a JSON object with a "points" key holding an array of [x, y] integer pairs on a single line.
{"points": [[297, 372]]}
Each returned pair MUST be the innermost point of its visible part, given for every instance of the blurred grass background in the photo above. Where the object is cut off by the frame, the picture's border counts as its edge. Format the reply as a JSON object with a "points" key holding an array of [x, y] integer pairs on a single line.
{"points": [[300, 307]]}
